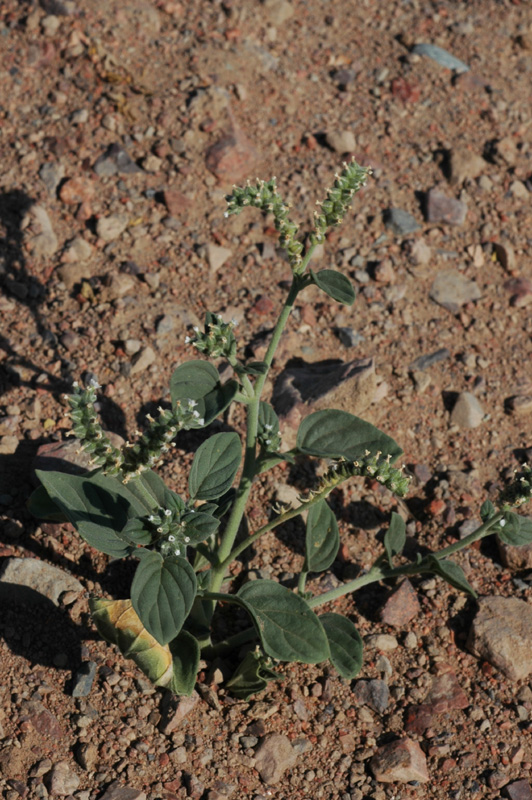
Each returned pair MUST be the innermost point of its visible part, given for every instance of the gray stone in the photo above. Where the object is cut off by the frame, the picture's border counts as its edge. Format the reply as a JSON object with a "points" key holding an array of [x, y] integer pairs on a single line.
{"points": [[115, 159], [117, 792], [110, 228], [165, 324], [77, 249], [440, 56], [273, 757], [62, 780], [341, 141], [51, 175], [381, 641], [84, 679], [401, 761], [443, 209], [400, 222], [44, 242], [467, 411], [73, 274], [515, 556], [142, 360], [426, 361], [501, 634], [374, 694], [217, 256], [19, 574], [452, 290]]}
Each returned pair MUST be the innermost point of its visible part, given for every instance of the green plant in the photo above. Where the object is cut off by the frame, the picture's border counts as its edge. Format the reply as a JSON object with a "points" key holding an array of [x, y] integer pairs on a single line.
{"points": [[185, 547]]}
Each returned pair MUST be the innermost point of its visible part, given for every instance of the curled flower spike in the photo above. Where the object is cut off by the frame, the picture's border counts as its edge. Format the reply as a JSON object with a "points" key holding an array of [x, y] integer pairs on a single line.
{"points": [[370, 467], [217, 340], [86, 427], [338, 199]]}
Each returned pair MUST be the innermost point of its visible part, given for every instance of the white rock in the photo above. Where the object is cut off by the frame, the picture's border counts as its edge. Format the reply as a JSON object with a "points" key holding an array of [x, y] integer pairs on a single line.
{"points": [[142, 361], [32, 573], [217, 256], [467, 412], [502, 635], [341, 141], [110, 228], [382, 641]]}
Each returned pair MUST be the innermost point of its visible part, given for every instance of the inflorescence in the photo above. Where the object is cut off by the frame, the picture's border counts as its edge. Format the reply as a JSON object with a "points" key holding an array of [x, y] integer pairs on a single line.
{"points": [[338, 200], [370, 467], [519, 491], [217, 340]]}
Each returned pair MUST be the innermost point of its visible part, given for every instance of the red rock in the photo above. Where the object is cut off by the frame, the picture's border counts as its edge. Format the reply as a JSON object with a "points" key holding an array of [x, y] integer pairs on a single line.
{"points": [[446, 693], [263, 305], [400, 761], [401, 606], [521, 291], [418, 719], [519, 790], [436, 507], [441, 208], [176, 202], [231, 158], [76, 190], [407, 91]]}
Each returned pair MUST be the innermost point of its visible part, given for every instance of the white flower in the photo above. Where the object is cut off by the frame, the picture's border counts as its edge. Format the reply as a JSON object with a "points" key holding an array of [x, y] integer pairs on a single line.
{"points": [[167, 512], [171, 538], [502, 523]]}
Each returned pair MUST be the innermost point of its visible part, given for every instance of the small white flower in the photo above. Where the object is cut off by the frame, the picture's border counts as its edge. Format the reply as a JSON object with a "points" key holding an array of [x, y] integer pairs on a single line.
{"points": [[201, 421], [167, 512], [268, 427], [177, 552], [195, 329], [171, 538], [187, 339], [151, 518], [192, 403], [195, 414], [502, 523], [187, 539], [226, 214]]}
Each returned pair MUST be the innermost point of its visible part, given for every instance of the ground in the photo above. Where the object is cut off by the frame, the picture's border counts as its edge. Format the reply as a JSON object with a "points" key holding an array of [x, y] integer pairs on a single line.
{"points": [[123, 126]]}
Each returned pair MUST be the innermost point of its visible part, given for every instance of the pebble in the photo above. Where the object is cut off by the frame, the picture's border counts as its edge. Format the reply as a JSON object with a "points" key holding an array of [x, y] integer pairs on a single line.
{"points": [[86, 755], [142, 360], [424, 362], [176, 202], [110, 228], [273, 757], [507, 150], [519, 405], [62, 780], [505, 256], [349, 337], [77, 190], [119, 284], [516, 557], [374, 694], [467, 411], [521, 291], [231, 158], [174, 710], [8, 445], [79, 117], [464, 165], [115, 159], [519, 790], [51, 175], [420, 252], [400, 222], [452, 290], [44, 242], [401, 606], [382, 641], [77, 249], [410, 640], [384, 272], [421, 380], [518, 189], [216, 256], [152, 163], [440, 56], [341, 141], [401, 761], [445, 693], [165, 324], [40, 580], [501, 634], [117, 792], [443, 209], [84, 679]]}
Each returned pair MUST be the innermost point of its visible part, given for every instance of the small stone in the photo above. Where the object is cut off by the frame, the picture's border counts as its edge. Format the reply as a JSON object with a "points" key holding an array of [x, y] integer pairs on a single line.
{"points": [[142, 360], [467, 411], [84, 679], [349, 337], [452, 290], [8, 445], [341, 141], [446, 693], [51, 175], [401, 761], [79, 117], [374, 694], [501, 634], [50, 24], [76, 250], [132, 346], [62, 457], [33, 579], [40, 768], [117, 792], [506, 149], [175, 202], [443, 209], [279, 11], [410, 640], [516, 557], [419, 719], [115, 159], [175, 710], [401, 606], [62, 780], [382, 641], [86, 755], [420, 253], [217, 256], [426, 361], [44, 242], [518, 189], [231, 158], [273, 757], [77, 190], [165, 325], [110, 228], [520, 405], [519, 790], [497, 780], [72, 274], [384, 272], [464, 165], [440, 56], [505, 256], [152, 163], [521, 290], [119, 284], [400, 222]]}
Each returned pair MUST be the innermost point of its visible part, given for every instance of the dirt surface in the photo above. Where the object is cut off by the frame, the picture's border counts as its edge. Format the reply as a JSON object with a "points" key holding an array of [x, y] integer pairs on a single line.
{"points": [[123, 125]]}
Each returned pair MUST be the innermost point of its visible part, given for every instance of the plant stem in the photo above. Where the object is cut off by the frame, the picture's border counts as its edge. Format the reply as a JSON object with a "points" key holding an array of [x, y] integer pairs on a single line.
{"points": [[301, 582]]}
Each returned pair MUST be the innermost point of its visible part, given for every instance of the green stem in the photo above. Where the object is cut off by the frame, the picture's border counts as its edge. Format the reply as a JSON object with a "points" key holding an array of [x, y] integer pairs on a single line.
{"points": [[302, 582]]}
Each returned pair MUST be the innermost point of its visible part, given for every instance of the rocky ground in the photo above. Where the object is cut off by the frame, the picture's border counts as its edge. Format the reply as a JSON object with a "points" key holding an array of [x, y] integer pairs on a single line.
{"points": [[123, 126]]}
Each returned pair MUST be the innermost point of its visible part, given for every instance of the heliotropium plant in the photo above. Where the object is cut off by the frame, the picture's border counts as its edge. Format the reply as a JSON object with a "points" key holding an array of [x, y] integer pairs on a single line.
{"points": [[185, 546]]}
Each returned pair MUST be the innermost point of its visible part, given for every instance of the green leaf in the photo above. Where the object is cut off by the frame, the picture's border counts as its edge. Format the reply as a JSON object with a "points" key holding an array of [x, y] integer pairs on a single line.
{"points": [[162, 594], [253, 368], [251, 676], [270, 460], [395, 537], [345, 644], [149, 489], [452, 573], [337, 434], [41, 505], [335, 285], [98, 506], [135, 533], [289, 630], [516, 530], [199, 526], [215, 466], [487, 510], [186, 652], [268, 417], [322, 538], [200, 381]]}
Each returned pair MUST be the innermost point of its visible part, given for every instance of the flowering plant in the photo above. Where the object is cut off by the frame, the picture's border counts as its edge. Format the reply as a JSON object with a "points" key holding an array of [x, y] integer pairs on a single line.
{"points": [[186, 546]]}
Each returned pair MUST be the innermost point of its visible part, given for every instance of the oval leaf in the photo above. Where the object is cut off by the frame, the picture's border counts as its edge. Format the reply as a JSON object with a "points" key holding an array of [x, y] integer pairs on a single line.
{"points": [[335, 285], [199, 526], [200, 381], [215, 466], [516, 531], [251, 676], [337, 434], [288, 629], [322, 538], [395, 537], [162, 594], [452, 573], [345, 644], [185, 650], [487, 510]]}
